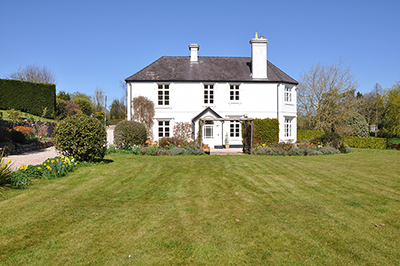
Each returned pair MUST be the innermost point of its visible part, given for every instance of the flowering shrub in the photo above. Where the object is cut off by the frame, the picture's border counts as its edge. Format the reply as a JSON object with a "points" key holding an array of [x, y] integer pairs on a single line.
{"points": [[27, 131], [183, 130]]}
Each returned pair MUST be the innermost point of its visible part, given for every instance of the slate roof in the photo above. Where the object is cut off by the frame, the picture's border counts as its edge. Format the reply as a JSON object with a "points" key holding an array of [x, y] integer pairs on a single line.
{"points": [[212, 69]]}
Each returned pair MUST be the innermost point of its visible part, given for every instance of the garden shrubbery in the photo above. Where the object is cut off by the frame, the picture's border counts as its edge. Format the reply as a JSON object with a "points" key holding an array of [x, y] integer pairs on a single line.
{"points": [[82, 137], [129, 133]]}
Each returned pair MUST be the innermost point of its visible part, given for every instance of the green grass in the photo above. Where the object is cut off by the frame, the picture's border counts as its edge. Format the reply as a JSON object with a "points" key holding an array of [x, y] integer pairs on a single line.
{"points": [[26, 115], [210, 210]]}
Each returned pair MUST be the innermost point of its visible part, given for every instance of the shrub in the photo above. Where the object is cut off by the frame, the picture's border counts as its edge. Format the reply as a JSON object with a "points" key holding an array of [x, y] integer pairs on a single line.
{"points": [[82, 137], [183, 130], [163, 152], [178, 151], [129, 133], [27, 131], [193, 150], [358, 124], [4, 134], [266, 130], [17, 136], [370, 143], [309, 134], [263, 151], [150, 150], [171, 142], [100, 115]]}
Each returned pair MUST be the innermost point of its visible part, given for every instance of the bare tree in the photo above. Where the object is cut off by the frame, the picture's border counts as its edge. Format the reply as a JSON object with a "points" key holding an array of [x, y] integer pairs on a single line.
{"points": [[371, 105], [98, 99], [326, 96], [34, 73], [143, 112]]}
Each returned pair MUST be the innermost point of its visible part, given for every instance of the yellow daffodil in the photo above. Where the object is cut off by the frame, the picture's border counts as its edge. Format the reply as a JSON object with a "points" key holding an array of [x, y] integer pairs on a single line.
{"points": [[39, 168], [44, 164], [3, 166], [9, 161], [52, 161]]}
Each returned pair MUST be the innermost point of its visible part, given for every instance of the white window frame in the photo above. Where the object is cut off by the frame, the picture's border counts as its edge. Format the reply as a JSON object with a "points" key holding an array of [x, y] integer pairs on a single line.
{"points": [[288, 126], [235, 129], [208, 125], [165, 126], [209, 94], [287, 94], [234, 92], [163, 95]]}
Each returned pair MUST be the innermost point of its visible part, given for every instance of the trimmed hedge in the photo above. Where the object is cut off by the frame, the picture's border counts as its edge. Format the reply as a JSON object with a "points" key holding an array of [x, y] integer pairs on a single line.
{"points": [[28, 96], [266, 130], [369, 143], [309, 134]]}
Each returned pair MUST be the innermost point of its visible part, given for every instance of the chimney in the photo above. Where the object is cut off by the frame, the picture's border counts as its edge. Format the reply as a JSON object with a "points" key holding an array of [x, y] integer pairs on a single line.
{"points": [[259, 57], [193, 52]]}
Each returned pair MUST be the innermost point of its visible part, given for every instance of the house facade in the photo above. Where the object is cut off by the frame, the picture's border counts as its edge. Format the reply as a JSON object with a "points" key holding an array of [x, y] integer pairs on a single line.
{"points": [[190, 88]]}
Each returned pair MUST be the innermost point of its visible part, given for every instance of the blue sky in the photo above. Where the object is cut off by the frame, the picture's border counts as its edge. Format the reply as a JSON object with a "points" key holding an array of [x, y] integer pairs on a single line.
{"points": [[90, 44]]}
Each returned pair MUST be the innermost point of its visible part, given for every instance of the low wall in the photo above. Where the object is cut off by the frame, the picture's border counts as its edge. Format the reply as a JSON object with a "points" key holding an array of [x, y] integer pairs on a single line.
{"points": [[41, 128], [11, 149]]}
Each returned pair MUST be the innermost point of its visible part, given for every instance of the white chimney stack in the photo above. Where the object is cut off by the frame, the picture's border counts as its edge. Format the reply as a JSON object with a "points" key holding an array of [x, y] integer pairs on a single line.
{"points": [[193, 52], [259, 57]]}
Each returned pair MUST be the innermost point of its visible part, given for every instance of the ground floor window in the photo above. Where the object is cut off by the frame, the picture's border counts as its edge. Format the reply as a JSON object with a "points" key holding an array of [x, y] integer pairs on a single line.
{"points": [[288, 127], [234, 129], [209, 130], [163, 128]]}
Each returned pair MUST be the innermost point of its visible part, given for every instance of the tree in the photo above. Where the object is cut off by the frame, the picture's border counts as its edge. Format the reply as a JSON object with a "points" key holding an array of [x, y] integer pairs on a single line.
{"points": [[34, 73], [118, 109], [143, 112], [62, 95], [391, 120], [83, 101], [98, 99], [326, 96]]}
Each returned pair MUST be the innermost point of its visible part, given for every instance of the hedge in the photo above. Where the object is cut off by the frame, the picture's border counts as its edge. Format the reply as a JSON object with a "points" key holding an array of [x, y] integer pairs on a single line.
{"points": [[309, 134], [266, 130], [28, 96], [369, 143]]}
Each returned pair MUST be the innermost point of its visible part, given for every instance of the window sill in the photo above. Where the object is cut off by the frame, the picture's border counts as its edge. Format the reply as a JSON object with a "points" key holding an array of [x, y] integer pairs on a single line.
{"points": [[235, 102], [162, 107], [289, 103]]}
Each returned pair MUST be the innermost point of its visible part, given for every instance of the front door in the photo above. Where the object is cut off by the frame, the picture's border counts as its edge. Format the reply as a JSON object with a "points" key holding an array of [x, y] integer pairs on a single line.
{"points": [[208, 133]]}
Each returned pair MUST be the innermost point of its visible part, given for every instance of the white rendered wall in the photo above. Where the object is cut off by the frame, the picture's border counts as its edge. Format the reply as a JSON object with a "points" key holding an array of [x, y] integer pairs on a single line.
{"points": [[257, 100]]}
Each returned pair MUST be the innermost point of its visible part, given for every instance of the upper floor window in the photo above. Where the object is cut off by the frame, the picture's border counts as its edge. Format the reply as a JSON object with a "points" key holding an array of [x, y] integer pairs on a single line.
{"points": [[234, 93], [209, 94], [288, 94], [163, 128], [163, 94], [234, 129], [288, 127]]}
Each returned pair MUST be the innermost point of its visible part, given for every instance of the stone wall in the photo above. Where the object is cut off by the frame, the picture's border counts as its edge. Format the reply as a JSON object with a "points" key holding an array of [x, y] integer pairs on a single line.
{"points": [[11, 149], [41, 128]]}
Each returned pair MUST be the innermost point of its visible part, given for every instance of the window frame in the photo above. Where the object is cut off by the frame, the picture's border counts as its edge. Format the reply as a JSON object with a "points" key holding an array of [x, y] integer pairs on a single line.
{"points": [[166, 128], [234, 91], [288, 126], [235, 129], [163, 95], [208, 94], [287, 94]]}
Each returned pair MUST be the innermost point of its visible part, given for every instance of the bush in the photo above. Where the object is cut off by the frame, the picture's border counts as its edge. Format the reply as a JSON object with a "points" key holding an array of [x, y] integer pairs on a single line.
{"points": [[129, 133], [4, 135], [193, 150], [163, 152], [266, 130], [27, 131], [263, 151], [309, 134], [82, 137], [178, 151], [328, 150], [358, 124], [17, 136], [369, 143]]}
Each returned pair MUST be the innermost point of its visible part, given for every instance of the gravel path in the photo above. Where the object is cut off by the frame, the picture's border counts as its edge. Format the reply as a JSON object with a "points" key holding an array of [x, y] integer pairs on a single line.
{"points": [[39, 156]]}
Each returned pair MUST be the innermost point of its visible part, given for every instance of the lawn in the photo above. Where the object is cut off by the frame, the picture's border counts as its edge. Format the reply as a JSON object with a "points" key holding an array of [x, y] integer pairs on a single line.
{"points": [[6, 116], [210, 210]]}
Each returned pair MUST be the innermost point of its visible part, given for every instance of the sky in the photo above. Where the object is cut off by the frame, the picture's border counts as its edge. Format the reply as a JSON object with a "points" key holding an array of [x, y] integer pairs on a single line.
{"points": [[89, 44]]}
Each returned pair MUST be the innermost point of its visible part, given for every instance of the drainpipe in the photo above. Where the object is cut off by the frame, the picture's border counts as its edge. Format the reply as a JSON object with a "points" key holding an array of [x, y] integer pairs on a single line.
{"points": [[222, 134]]}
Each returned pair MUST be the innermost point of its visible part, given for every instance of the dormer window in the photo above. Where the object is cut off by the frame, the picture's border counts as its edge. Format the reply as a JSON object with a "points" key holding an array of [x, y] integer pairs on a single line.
{"points": [[163, 94], [208, 94], [234, 93]]}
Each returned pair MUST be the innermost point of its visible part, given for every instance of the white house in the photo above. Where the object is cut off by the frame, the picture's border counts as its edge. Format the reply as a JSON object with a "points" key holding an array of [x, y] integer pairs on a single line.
{"points": [[188, 88]]}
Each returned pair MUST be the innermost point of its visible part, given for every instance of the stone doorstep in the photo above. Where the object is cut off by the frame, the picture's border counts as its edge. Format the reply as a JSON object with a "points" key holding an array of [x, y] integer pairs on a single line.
{"points": [[231, 151], [26, 147]]}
